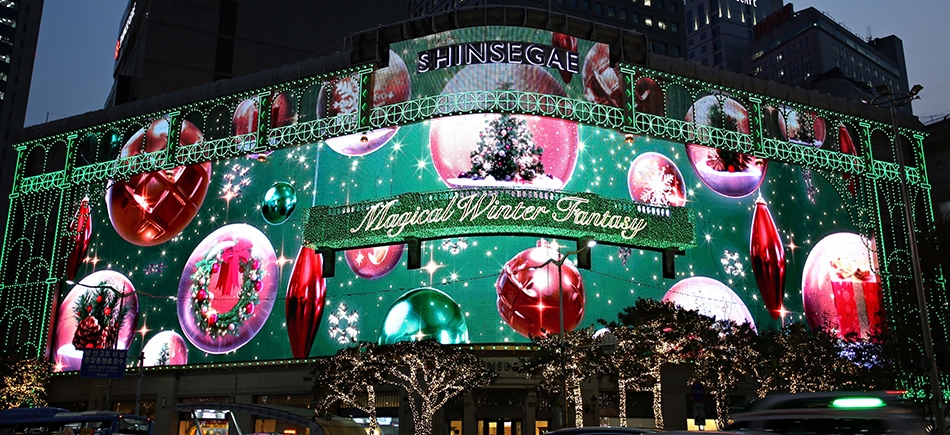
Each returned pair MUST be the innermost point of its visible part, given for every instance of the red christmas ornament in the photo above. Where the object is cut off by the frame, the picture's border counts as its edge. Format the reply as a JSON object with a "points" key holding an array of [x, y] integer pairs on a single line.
{"points": [[569, 43], [528, 295], [245, 116], [306, 295], [375, 262], [81, 227], [768, 258], [201, 296], [649, 96], [601, 82], [846, 145], [151, 208], [212, 318]]}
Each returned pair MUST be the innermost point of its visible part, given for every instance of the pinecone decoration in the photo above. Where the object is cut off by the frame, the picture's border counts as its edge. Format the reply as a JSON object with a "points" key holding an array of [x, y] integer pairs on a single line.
{"points": [[99, 317], [88, 334]]}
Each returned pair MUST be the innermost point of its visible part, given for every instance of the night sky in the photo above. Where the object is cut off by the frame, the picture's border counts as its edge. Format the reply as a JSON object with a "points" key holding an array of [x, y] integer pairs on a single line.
{"points": [[74, 60]]}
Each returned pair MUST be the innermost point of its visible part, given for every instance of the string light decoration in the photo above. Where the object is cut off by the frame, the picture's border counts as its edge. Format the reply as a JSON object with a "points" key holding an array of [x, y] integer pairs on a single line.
{"points": [[431, 374], [44, 194], [555, 374], [24, 382], [347, 377]]}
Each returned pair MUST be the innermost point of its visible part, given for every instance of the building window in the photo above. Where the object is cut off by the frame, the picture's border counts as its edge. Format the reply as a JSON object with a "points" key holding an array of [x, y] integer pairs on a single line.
{"points": [[778, 58], [692, 55], [585, 4], [7, 21], [4, 58], [635, 17], [718, 58], [781, 72], [647, 2], [676, 51], [623, 14], [599, 8], [674, 28], [648, 21], [673, 7], [659, 4], [717, 44], [610, 11], [661, 24], [703, 49]]}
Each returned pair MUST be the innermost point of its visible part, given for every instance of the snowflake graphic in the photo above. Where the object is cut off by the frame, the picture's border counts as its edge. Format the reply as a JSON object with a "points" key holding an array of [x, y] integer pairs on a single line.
{"points": [[235, 181], [155, 269], [659, 185], [731, 264], [455, 247], [347, 89], [343, 325]]}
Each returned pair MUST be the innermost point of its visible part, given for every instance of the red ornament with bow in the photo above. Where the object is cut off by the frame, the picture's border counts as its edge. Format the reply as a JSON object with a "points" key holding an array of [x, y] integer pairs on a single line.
{"points": [[306, 296], [768, 258], [81, 230], [230, 269]]}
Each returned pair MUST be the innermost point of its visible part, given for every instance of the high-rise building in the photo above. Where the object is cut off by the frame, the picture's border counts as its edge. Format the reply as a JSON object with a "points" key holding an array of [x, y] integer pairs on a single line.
{"points": [[811, 50], [660, 20], [169, 45], [19, 30], [718, 31]]}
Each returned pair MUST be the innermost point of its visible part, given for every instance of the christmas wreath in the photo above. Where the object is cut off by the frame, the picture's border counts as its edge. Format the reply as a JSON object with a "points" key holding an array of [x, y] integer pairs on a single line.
{"points": [[231, 263]]}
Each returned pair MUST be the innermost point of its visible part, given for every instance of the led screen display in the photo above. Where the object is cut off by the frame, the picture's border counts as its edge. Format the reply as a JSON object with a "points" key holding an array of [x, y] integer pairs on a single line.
{"points": [[206, 263]]}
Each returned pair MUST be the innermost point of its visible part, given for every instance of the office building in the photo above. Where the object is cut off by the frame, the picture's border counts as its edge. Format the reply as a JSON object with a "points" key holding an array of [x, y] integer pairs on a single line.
{"points": [[169, 45], [661, 21], [811, 50], [718, 31]]}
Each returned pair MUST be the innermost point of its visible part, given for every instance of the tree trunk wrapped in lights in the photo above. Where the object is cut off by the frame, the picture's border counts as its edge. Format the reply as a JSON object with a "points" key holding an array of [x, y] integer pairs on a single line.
{"points": [[579, 362], [346, 377], [431, 374]]}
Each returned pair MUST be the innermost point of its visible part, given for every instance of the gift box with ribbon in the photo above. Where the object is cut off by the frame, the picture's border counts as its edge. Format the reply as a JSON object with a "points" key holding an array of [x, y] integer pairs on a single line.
{"points": [[857, 296]]}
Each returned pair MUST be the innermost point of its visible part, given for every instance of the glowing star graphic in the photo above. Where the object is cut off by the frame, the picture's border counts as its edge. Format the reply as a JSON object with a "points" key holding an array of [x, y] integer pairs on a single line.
{"points": [[235, 181], [155, 269], [731, 264], [343, 325]]}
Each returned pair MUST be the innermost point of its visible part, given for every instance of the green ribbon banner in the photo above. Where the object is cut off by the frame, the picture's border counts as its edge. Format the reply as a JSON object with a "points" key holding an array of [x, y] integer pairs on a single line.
{"points": [[499, 211]]}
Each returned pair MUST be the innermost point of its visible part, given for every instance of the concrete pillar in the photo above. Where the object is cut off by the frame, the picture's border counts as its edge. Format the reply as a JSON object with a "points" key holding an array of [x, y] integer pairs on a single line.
{"points": [[529, 418], [469, 418], [674, 391]]}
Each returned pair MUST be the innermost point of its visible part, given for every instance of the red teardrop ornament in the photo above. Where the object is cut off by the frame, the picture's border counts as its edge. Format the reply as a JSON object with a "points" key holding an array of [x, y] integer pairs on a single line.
{"points": [[306, 295], [847, 147], [768, 258], [81, 228]]}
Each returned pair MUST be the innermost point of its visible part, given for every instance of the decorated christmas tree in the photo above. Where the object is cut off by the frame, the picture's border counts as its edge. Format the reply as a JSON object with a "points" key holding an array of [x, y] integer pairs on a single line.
{"points": [[99, 317], [724, 160], [164, 356], [506, 152]]}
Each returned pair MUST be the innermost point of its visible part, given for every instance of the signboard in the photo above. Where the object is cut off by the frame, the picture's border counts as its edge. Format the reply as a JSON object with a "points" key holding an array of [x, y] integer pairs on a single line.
{"points": [[103, 363], [500, 211]]}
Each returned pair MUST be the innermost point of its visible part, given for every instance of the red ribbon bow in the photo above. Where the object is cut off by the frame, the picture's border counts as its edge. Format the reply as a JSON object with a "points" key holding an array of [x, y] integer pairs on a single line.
{"points": [[231, 258]]}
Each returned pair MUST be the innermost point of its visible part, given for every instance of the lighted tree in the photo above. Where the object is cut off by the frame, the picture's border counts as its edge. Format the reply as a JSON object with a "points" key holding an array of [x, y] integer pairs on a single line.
{"points": [[627, 365], [347, 377], [797, 359], [24, 382], [729, 354], [431, 374], [672, 336], [556, 373]]}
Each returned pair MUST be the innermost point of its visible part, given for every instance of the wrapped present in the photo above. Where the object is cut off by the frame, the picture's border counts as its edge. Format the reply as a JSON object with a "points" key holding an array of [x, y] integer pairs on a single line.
{"points": [[857, 296]]}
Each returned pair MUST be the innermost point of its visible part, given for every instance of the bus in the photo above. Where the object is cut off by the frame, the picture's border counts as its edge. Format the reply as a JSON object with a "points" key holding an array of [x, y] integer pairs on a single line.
{"points": [[59, 421]]}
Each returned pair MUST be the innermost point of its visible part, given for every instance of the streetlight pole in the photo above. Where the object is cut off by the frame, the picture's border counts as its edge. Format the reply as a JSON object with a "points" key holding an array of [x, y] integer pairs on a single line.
{"points": [[891, 101], [559, 262]]}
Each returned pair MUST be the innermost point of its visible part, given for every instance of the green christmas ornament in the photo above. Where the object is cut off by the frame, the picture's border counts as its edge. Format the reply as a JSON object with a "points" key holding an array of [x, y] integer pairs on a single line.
{"points": [[279, 203], [422, 314]]}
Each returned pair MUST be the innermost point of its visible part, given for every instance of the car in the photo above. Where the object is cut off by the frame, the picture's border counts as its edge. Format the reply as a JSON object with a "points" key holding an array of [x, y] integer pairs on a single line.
{"points": [[839, 413]]}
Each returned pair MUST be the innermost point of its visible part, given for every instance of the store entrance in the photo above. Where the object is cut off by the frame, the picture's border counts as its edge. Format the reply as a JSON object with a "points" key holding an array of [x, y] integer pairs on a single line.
{"points": [[499, 427]]}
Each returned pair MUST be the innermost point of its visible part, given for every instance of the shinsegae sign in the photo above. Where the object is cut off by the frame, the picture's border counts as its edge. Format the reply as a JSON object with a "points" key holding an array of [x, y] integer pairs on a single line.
{"points": [[485, 52], [499, 211]]}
